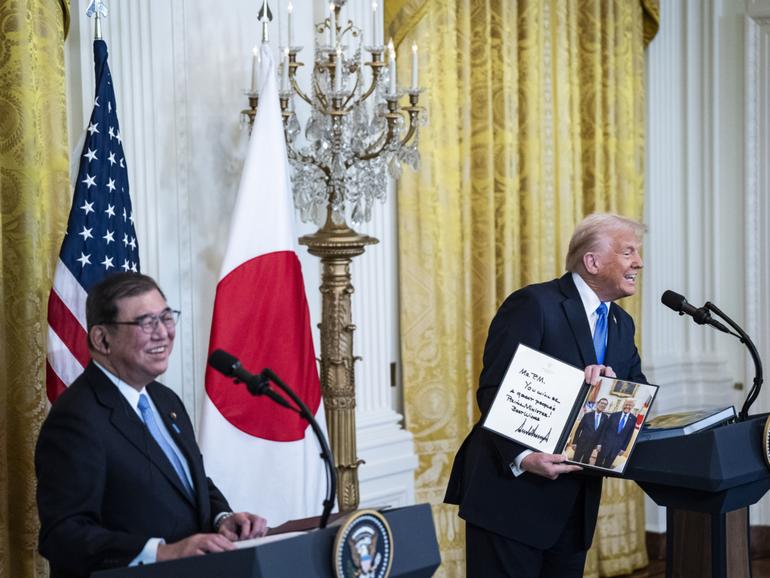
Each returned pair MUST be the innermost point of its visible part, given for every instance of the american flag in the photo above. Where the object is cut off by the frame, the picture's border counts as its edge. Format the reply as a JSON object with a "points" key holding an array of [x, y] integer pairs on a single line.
{"points": [[100, 237]]}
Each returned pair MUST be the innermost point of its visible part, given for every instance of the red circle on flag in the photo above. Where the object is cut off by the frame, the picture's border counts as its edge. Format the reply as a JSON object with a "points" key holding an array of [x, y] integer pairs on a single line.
{"points": [[261, 317]]}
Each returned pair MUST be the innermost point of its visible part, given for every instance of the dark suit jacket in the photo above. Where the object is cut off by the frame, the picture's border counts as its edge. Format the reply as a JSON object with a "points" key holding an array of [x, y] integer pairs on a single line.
{"points": [[531, 509], [614, 442], [104, 485], [587, 435]]}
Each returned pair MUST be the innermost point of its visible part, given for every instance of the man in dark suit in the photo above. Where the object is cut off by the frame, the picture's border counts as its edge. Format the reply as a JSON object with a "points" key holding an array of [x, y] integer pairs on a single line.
{"points": [[589, 432], [616, 435], [120, 476], [528, 513]]}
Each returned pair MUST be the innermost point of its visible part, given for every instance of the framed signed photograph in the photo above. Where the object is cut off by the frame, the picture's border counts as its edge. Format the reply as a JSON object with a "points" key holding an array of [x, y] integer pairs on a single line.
{"points": [[544, 404]]}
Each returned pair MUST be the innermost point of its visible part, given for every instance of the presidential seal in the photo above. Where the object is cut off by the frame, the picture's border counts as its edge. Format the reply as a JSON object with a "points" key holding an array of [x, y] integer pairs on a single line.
{"points": [[363, 547]]}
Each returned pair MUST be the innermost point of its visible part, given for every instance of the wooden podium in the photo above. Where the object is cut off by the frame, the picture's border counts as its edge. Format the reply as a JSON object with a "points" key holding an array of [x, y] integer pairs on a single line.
{"points": [[706, 481], [415, 554]]}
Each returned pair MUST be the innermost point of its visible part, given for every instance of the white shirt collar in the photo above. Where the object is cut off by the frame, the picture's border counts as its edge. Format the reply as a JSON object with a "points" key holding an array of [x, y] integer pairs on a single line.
{"points": [[590, 299], [130, 393]]}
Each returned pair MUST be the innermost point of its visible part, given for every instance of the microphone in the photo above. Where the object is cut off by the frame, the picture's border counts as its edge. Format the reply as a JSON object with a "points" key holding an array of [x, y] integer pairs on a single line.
{"points": [[229, 365], [700, 315]]}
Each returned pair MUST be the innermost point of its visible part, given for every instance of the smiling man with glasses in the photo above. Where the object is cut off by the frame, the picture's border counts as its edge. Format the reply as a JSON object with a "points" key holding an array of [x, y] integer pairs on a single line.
{"points": [[120, 475]]}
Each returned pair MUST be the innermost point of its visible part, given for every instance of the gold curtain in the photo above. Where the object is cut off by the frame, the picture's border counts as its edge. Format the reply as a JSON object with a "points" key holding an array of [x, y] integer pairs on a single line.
{"points": [[34, 198], [536, 118]]}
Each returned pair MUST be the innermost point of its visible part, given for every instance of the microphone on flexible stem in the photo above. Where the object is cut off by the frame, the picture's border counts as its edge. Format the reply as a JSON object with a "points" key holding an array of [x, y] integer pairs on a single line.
{"points": [[258, 384], [703, 315], [700, 315]]}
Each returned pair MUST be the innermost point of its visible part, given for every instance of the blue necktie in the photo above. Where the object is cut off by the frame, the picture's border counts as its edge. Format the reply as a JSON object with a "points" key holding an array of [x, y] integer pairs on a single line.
{"points": [[152, 425], [622, 422], [600, 333]]}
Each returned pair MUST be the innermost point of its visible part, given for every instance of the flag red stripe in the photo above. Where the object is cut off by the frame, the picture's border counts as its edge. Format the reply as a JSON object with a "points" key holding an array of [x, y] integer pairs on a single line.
{"points": [[67, 327], [261, 316], [53, 385]]}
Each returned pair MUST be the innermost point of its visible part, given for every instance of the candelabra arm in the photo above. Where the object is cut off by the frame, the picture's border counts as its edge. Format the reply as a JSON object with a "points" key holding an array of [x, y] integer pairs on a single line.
{"points": [[376, 66], [383, 142], [413, 113], [324, 104], [298, 90], [372, 152], [293, 65], [350, 96], [295, 155]]}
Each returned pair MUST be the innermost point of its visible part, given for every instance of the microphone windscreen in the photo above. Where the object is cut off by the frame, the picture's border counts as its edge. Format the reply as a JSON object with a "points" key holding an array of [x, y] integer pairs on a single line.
{"points": [[673, 300], [223, 362]]}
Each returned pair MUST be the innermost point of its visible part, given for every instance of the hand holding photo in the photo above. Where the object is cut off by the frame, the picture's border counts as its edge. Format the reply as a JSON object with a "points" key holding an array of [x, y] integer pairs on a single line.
{"points": [[545, 404]]}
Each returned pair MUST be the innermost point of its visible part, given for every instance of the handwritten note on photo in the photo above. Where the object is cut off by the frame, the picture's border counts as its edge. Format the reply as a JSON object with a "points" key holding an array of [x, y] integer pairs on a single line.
{"points": [[535, 400]]}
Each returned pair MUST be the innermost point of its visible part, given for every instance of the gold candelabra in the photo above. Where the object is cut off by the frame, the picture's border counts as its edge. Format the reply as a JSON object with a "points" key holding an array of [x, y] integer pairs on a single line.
{"points": [[357, 135]]}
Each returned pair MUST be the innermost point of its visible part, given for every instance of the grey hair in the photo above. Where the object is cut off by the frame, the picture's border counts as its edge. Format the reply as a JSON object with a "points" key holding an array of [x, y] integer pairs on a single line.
{"points": [[591, 232]]}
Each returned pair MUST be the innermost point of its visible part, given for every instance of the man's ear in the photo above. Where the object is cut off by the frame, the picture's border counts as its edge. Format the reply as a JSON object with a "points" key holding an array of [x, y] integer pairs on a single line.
{"points": [[98, 338], [591, 263]]}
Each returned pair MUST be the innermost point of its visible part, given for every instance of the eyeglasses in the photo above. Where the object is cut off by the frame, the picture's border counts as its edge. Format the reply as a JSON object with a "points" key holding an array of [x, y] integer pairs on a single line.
{"points": [[149, 323]]}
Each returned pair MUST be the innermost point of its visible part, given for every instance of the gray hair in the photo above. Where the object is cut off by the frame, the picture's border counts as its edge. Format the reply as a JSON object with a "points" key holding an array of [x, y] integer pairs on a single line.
{"points": [[592, 231]]}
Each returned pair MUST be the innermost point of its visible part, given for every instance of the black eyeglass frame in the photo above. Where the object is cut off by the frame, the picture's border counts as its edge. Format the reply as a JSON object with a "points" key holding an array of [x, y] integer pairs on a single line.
{"points": [[148, 323]]}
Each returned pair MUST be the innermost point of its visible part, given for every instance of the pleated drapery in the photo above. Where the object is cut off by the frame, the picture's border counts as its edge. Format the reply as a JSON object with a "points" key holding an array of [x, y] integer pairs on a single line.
{"points": [[535, 119], [34, 201]]}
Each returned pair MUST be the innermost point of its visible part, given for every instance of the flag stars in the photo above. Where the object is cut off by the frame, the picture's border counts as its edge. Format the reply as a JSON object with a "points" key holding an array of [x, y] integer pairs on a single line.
{"points": [[107, 263], [133, 267], [131, 218], [122, 166], [89, 181], [125, 216], [111, 185], [91, 155], [109, 107], [109, 237], [110, 211], [120, 140], [84, 259], [125, 239], [111, 158], [86, 233], [92, 128], [125, 266], [96, 102], [111, 132], [132, 244], [87, 207]]}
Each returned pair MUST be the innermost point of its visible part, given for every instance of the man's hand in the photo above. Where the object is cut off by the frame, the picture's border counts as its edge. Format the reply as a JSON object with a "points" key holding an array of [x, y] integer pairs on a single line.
{"points": [[594, 372], [195, 545], [547, 465], [243, 526]]}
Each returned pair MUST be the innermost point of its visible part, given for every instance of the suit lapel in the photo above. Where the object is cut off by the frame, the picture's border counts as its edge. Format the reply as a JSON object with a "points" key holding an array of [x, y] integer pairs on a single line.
{"points": [[576, 316], [122, 416]]}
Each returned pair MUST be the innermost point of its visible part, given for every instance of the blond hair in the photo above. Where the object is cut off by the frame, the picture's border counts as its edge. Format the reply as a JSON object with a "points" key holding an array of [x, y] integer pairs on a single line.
{"points": [[592, 231]]}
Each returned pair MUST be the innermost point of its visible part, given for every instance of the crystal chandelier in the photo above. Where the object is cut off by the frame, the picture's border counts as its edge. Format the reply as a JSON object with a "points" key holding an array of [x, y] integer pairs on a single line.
{"points": [[357, 135]]}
